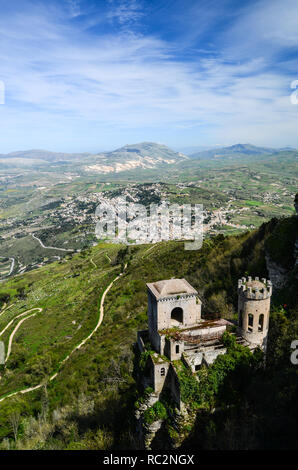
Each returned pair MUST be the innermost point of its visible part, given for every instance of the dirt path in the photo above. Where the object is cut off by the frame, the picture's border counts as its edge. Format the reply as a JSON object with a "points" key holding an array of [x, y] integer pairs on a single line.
{"points": [[50, 247], [5, 309], [18, 316], [149, 249], [100, 319], [16, 329], [12, 260]]}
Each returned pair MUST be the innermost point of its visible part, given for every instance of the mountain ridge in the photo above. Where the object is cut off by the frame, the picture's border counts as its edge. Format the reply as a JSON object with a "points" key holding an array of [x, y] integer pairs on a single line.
{"points": [[138, 156], [238, 150]]}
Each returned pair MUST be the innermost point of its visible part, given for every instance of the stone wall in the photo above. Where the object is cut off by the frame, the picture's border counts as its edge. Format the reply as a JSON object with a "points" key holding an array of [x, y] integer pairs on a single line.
{"points": [[174, 349], [255, 308], [191, 311], [160, 372], [204, 355]]}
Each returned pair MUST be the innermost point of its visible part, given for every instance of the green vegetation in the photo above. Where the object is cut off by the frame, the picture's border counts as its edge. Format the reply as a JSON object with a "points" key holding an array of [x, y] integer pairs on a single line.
{"points": [[280, 244], [219, 383], [155, 412], [141, 400], [189, 386], [90, 404], [59, 206], [144, 358]]}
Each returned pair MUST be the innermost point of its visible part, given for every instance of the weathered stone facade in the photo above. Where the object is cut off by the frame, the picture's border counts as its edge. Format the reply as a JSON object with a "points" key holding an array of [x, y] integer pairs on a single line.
{"points": [[253, 310], [176, 330], [178, 333]]}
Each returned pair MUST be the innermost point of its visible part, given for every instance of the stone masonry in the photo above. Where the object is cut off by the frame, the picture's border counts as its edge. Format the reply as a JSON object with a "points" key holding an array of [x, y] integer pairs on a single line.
{"points": [[176, 330]]}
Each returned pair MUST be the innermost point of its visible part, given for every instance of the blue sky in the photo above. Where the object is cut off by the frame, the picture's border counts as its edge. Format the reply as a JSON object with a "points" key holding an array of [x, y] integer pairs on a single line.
{"points": [[85, 75]]}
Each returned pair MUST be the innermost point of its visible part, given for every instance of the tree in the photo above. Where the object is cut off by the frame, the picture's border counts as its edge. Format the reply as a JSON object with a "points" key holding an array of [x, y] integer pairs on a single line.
{"points": [[14, 419]]}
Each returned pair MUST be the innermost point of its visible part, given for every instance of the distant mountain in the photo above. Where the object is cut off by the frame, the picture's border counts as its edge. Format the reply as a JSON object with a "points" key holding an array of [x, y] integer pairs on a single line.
{"points": [[236, 150], [195, 149], [142, 155], [44, 155]]}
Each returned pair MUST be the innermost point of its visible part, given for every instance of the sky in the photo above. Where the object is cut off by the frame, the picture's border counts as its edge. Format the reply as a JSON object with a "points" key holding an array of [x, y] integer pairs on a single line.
{"points": [[89, 76]]}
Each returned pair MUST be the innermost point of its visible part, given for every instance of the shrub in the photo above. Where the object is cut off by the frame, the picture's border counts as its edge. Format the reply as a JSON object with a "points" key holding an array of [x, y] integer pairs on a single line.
{"points": [[155, 412]]}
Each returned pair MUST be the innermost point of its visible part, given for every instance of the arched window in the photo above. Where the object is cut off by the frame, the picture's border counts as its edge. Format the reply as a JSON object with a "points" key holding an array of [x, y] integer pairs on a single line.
{"points": [[250, 321], [162, 371], [177, 314], [261, 322]]}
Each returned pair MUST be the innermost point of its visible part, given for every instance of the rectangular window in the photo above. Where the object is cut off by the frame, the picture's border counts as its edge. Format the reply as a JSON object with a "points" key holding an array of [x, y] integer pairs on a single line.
{"points": [[177, 348], [250, 322]]}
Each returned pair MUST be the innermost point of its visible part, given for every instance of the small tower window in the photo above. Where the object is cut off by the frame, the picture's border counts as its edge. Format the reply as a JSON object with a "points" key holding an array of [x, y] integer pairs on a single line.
{"points": [[250, 321], [177, 348], [261, 322], [162, 371]]}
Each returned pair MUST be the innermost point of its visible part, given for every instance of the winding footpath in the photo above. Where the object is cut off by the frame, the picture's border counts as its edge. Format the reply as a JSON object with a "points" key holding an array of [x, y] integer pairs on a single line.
{"points": [[5, 308], [52, 377], [50, 247], [18, 316], [16, 329], [12, 260]]}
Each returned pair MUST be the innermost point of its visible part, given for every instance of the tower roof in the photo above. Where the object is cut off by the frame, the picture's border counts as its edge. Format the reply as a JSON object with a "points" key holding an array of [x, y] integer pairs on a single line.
{"points": [[171, 287], [255, 284]]}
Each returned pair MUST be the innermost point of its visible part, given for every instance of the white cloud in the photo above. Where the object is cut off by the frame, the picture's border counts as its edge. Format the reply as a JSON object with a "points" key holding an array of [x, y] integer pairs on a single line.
{"points": [[74, 8], [56, 76], [125, 11]]}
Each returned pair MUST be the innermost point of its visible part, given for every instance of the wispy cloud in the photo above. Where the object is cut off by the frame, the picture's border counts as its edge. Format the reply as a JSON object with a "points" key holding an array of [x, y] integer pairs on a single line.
{"points": [[74, 8], [126, 12], [72, 81]]}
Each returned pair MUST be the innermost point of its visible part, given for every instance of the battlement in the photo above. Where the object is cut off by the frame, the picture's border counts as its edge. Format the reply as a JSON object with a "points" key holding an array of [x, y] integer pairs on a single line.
{"points": [[254, 289], [171, 289]]}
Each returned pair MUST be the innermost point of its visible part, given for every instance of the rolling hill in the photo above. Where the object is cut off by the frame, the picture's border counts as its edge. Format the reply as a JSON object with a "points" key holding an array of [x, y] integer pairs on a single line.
{"points": [[246, 150], [135, 157], [89, 403], [142, 155]]}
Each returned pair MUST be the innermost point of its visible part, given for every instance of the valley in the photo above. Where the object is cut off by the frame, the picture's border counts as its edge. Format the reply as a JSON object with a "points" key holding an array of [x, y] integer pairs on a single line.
{"points": [[46, 216], [47, 213], [76, 366]]}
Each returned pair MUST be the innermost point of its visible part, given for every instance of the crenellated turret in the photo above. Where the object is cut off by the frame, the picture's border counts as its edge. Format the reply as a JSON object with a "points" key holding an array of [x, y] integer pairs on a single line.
{"points": [[254, 289], [254, 309]]}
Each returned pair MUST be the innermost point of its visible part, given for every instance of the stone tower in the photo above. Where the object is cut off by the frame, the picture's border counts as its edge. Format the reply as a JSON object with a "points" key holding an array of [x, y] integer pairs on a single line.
{"points": [[254, 309], [172, 303]]}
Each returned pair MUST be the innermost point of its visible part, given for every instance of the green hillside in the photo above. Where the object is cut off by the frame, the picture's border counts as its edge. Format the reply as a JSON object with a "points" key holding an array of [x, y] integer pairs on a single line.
{"points": [[89, 404]]}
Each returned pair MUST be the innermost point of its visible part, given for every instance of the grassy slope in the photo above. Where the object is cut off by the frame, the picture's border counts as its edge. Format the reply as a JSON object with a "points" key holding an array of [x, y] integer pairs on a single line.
{"points": [[106, 360]]}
